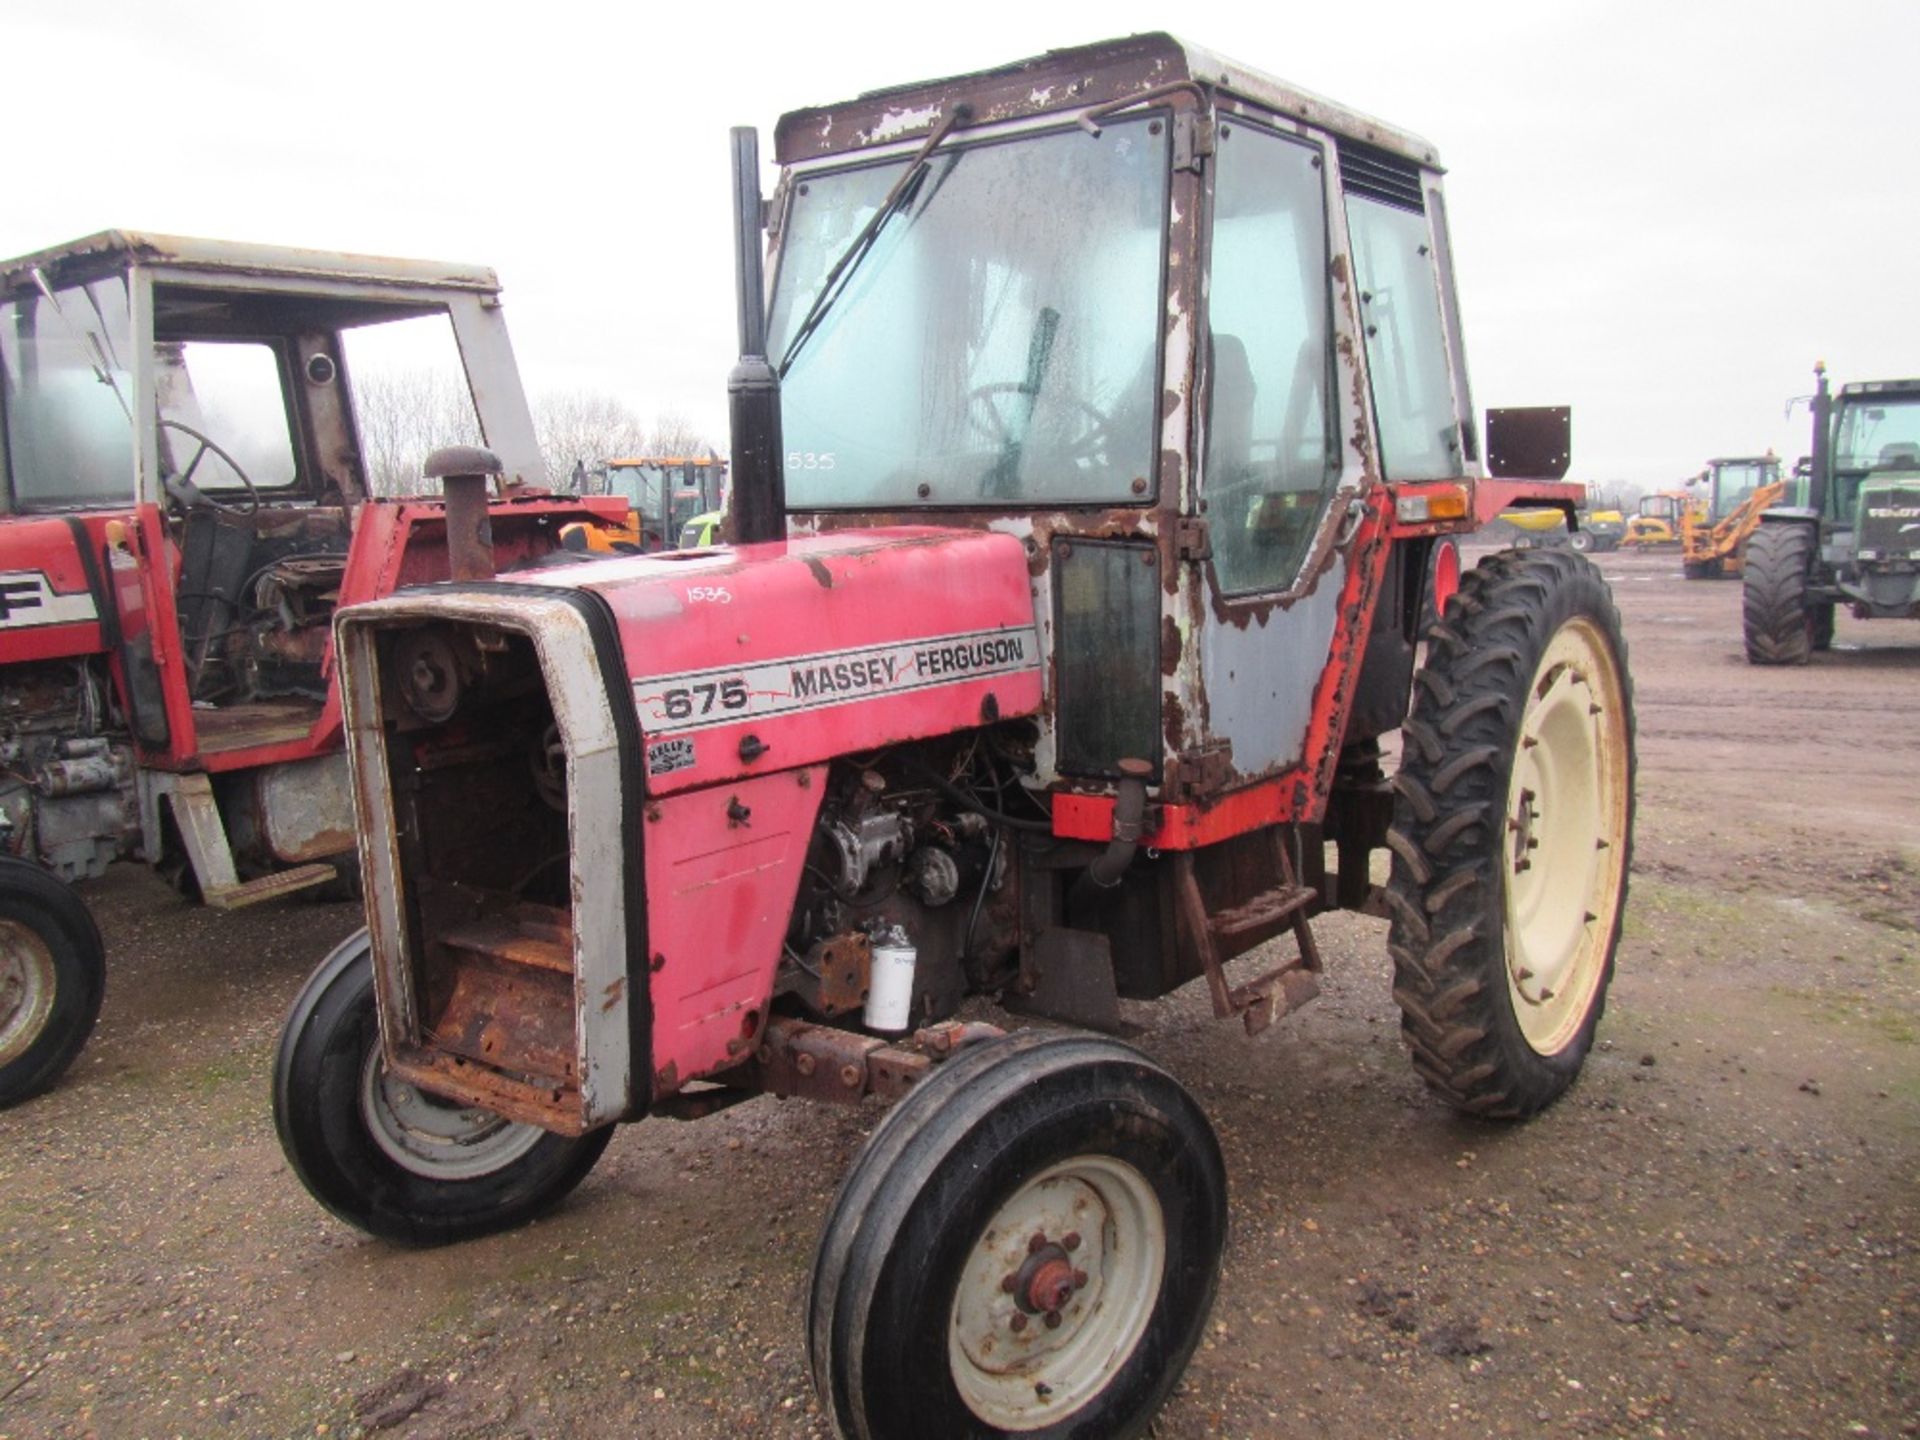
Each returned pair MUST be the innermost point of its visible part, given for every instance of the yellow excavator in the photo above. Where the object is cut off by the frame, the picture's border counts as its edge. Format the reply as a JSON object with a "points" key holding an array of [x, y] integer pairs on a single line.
{"points": [[1659, 520]]}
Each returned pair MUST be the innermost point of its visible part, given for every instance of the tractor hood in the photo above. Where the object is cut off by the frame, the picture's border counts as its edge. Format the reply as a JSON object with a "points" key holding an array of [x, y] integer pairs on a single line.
{"points": [[764, 657]]}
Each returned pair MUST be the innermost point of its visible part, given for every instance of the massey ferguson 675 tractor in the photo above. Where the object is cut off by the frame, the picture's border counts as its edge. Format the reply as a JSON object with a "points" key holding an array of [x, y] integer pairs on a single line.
{"points": [[1089, 455], [188, 458]]}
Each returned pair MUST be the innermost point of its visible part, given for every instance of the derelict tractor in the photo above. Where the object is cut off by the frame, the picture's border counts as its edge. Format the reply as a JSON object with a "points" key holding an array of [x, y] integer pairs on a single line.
{"points": [[191, 480], [1856, 541], [1089, 455]]}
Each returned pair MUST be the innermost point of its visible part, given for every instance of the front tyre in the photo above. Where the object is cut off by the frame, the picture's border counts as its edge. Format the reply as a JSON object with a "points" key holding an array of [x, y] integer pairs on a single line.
{"points": [[1779, 623], [387, 1157], [53, 975], [1027, 1245], [1512, 834]]}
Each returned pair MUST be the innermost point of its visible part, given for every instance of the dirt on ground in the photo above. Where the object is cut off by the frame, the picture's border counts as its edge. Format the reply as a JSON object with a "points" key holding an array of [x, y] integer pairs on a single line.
{"points": [[1713, 1234]]}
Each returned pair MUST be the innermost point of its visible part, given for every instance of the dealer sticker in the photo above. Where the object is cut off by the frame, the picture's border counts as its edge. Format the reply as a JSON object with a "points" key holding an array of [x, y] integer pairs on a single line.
{"points": [[671, 754]]}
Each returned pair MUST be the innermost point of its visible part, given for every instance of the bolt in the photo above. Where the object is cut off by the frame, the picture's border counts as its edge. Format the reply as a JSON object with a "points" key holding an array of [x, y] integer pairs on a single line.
{"points": [[850, 1076], [804, 1063], [1053, 1319], [1079, 1279], [1072, 1242], [1010, 1282], [1036, 1243], [1017, 1323]]}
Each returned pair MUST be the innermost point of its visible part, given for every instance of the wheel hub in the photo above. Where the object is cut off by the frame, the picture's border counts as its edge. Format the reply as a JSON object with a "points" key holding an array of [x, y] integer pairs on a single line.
{"points": [[27, 987], [434, 1138], [1565, 822], [1057, 1292]]}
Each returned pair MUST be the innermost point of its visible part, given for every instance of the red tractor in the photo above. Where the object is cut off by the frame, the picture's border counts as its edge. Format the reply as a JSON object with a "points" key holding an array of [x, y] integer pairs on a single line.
{"points": [[195, 436], [1090, 455]]}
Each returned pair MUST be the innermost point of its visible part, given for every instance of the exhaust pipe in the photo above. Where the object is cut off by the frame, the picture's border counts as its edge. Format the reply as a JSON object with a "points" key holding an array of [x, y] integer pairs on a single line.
{"points": [[463, 472], [757, 508], [1822, 408]]}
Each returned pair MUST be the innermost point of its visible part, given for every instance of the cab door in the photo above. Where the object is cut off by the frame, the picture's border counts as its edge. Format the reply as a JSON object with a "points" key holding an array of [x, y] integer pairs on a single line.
{"points": [[1307, 275]]}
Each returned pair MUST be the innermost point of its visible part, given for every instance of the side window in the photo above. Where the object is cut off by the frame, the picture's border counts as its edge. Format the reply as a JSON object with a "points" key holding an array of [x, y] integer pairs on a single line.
{"points": [[65, 385], [1269, 466], [230, 393], [1419, 428], [410, 396]]}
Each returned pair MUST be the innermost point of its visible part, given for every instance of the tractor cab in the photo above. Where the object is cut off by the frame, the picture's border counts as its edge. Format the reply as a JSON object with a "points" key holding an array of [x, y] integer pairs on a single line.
{"points": [[1729, 484], [664, 495], [208, 447], [1876, 465]]}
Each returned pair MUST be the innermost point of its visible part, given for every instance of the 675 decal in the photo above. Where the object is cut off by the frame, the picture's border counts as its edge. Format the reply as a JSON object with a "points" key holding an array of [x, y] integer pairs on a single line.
{"points": [[687, 702]]}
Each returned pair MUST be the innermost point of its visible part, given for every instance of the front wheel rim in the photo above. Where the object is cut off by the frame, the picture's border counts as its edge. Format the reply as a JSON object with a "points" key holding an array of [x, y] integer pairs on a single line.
{"points": [[433, 1138], [28, 986], [1564, 849], [1057, 1291]]}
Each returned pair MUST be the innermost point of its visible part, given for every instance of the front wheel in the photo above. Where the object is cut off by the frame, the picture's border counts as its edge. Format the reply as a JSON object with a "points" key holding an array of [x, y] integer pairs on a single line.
{"points": [[1779, 623], [386, 1156], [1512, 833], [1027, 1245], [53, 974]]}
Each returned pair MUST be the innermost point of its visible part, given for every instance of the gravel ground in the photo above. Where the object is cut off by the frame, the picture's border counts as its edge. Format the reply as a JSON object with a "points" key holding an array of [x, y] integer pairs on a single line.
{"points": [[1713, 1234]]}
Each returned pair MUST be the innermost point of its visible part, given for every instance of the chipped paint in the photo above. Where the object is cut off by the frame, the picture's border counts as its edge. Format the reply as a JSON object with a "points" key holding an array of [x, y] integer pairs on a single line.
{"points": [[896, 123]]}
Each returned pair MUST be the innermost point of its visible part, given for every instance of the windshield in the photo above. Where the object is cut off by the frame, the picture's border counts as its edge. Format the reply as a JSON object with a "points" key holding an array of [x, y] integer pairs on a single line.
{"points": [[1734, 482], [65, 385], [1880, 434], [999, 343]]}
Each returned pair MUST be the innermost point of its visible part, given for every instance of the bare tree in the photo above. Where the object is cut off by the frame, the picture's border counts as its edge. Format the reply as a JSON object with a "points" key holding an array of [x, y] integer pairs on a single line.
{"points": [[673, 434], [404, 415], [581, 428]]}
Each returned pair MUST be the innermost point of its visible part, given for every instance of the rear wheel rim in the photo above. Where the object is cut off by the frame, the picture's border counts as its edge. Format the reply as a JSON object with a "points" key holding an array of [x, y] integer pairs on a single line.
{"points": [[28, 986], [1564, 836], [1088, 1234], [433, 1138]]}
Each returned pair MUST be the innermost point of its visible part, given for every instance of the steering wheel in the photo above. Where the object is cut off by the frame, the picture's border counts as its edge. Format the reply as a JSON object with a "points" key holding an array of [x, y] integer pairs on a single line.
{"points": [[985, 414], [188, 494]]}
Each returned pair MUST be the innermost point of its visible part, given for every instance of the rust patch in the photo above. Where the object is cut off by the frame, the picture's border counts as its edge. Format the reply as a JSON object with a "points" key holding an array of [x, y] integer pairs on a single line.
{"points": [[820, 572], [666, 1080], [1173, 717], [1170, 643]]}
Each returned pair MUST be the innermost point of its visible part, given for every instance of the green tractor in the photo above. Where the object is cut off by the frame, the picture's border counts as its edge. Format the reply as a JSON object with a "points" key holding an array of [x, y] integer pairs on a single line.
{"points": [[1856, 540]]}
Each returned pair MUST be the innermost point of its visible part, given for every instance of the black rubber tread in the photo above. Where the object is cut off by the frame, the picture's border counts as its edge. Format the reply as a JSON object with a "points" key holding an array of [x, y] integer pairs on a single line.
{"points": [[316, 1111], [933, 1171], [1776, 619], [47, 906], [1446, 895]]}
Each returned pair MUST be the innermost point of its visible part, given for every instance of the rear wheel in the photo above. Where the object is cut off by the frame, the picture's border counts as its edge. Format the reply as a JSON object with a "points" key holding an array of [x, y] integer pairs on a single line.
{"points": [[1512, 834], [1028, 1244], [53, 974], [1581, 540], [388, 1157], [1779, 623]]}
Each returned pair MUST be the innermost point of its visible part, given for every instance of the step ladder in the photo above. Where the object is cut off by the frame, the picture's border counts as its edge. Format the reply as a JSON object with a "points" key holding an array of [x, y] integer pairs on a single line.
{"points": [[1265, 998]]}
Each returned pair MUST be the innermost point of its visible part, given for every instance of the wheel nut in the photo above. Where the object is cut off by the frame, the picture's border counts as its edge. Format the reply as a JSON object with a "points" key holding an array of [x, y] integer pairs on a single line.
{"points": [[850, 1076], [1072, 1242], [1053, 1319], [1079, 1279], [1010, 1283], [1036, 1243], [1018, 1323], [804, 1063]]}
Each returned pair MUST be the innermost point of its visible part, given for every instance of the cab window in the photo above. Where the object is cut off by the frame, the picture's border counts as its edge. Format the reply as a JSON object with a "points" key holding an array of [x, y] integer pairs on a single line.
{"points": [[1415, 416], [1269, 464], [66, 386]]}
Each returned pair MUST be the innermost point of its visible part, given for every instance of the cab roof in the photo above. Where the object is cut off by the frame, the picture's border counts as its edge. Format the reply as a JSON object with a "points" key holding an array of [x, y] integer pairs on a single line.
{"points": [[1072, 80], [116, 249]]}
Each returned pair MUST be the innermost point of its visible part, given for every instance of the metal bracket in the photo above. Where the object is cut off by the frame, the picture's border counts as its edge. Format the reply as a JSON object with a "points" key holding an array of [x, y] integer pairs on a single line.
{"points": [[1193, 139], [1191, 539], [1195, 773]]}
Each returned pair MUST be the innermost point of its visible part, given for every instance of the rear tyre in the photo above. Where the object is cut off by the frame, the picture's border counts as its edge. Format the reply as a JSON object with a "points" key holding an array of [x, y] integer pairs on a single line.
{"points": [[387, 1157], [1028, 1244], [53, 975], [1777, 619], [1512, 833]]}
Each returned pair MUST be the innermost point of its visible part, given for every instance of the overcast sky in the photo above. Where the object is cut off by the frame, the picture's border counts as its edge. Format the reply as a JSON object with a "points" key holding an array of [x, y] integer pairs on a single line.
{"points": [[1663, 212]]}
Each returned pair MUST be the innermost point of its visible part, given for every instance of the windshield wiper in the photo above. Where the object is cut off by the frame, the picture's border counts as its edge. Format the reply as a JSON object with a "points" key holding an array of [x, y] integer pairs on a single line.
{"points": [[898, 198]]}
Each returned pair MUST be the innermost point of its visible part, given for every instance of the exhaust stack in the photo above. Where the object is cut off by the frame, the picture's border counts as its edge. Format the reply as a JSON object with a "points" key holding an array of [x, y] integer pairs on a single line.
{"points": [[1822, 408], [757, 508], [463, 472]]}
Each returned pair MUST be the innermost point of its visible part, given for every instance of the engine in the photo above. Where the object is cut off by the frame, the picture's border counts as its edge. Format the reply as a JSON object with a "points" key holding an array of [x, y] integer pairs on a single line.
{"points": [[904, 906], [67, 793]]}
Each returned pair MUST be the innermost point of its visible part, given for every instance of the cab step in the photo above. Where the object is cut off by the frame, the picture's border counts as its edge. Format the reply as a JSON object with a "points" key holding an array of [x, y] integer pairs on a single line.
{"points": [[268, 887], [1265, 998]]}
